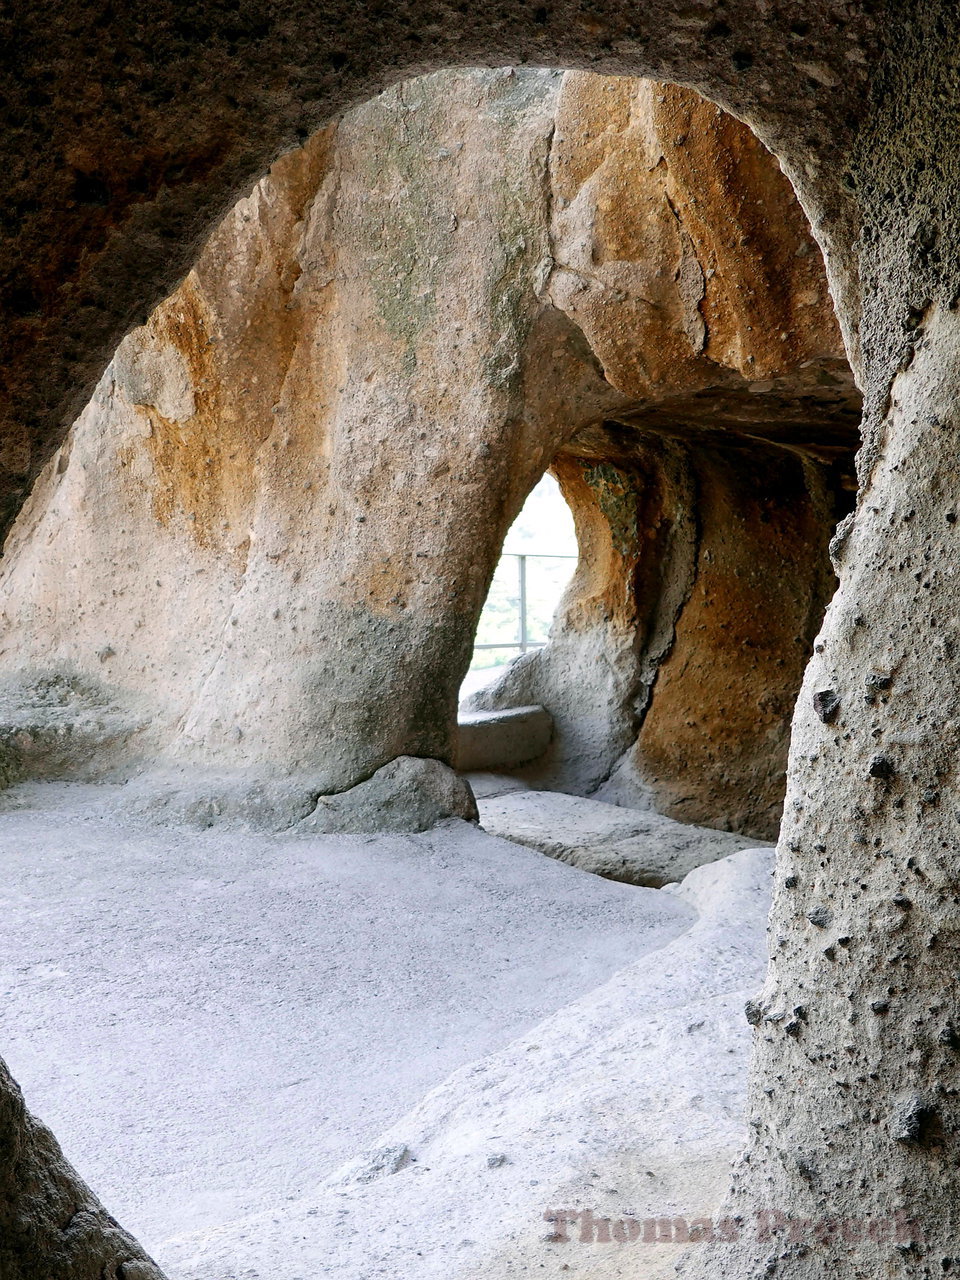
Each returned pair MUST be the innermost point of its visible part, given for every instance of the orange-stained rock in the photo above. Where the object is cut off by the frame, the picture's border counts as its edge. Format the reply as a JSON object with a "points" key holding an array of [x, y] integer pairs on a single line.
{"points": [[259, 558], [681, 250], [704, 505]]}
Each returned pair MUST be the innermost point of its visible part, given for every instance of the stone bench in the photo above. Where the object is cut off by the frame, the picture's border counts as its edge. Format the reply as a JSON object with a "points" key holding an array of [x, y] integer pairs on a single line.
{"points": [[502, 739]]}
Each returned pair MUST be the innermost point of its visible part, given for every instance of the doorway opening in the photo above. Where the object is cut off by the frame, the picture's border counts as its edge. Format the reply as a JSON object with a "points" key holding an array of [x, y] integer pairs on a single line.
{"points": [[538, 560]]}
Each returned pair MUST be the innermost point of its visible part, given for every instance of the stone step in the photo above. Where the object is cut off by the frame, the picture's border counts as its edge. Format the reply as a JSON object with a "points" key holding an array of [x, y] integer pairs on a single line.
{"points": [[642, 848], [491, 740]]}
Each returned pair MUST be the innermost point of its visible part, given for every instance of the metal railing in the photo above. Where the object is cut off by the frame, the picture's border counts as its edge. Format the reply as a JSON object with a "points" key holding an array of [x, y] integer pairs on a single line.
{"points": [[523, 641]]}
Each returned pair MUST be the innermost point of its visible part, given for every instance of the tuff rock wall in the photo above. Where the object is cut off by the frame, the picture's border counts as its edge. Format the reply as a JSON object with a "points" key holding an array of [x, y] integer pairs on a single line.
{"points": [[705, 502], [265, 543], [130, 134], [257, 562]]}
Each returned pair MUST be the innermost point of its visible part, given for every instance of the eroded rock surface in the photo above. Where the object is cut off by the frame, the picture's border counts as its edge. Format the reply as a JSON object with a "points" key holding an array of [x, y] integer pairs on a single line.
{"points": [[51, 1223], [626, 1103], [263, 549], [270, 533], [124, 145], [705, 505], [275, 1001]]}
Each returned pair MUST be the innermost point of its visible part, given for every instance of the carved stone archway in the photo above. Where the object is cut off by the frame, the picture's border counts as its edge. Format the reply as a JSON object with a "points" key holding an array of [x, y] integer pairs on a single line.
{"points": [[128, 137]]}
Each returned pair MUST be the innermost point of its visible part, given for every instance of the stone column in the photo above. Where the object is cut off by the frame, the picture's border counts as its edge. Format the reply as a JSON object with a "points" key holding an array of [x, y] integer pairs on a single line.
{"points": [[855, 1097]]}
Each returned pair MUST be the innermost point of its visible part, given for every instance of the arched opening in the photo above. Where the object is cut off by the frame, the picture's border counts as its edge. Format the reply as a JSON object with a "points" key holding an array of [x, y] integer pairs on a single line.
{"points": [[538, 560], [674, 664], [319, 442], [129, 133], [704, 493]]}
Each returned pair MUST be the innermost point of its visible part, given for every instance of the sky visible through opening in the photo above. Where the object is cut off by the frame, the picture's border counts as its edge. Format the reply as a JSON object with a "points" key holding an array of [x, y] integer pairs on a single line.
{"points": [[538, 560]]}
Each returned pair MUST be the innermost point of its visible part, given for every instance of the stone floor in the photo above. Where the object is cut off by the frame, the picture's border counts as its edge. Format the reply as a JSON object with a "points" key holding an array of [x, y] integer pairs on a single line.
{"points": [[369, 1056]]}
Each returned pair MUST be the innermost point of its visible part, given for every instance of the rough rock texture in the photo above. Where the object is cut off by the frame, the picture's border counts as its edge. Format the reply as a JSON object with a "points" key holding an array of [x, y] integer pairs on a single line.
{"points": [[864, 925], [405, 795], [855, 1110], [276, 1001], [318, 443], [703, 509], [490, 740], [408, 794], [484, 785], [677, 652], [616, 843], [116, 169], [128, 135], [51, 1224]]}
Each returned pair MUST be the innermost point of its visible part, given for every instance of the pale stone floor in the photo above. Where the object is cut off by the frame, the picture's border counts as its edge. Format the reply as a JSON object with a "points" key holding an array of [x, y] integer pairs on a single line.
{"points": [[369, 1056]]}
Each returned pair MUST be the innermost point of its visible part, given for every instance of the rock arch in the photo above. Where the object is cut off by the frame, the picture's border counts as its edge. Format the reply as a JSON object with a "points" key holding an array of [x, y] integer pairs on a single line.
{"points": [[115, 174], [707, 497], [261, 552]]}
